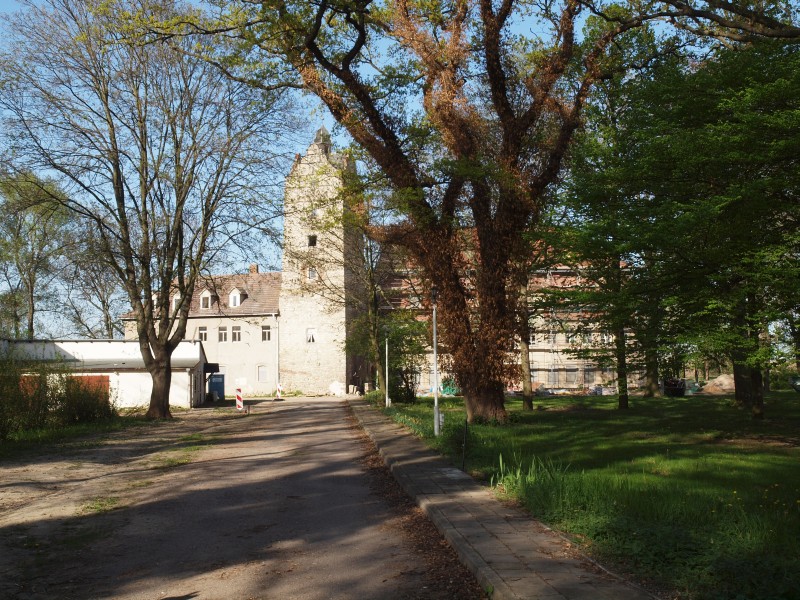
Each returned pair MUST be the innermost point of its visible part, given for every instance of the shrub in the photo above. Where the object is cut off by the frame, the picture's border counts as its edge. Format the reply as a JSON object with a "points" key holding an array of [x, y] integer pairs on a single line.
{"points": [[82, 400], [375, 397], [402, 385], [39, 396]]}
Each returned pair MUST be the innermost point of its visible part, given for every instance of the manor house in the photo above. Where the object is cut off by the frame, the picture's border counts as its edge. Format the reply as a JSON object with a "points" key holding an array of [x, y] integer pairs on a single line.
{"points": [[289, 328]]}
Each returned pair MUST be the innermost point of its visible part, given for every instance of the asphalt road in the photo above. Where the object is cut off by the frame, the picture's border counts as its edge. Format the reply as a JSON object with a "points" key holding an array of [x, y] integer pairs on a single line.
{"points": [[277, 504]]}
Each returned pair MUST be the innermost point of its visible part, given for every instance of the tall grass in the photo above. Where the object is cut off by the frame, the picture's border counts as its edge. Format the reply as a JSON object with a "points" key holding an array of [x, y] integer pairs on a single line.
{"points": [[689, 495]]}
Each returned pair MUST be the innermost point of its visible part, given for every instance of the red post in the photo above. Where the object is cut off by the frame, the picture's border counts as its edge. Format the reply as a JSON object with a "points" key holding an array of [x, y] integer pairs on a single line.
{"points": [[239, 402]]}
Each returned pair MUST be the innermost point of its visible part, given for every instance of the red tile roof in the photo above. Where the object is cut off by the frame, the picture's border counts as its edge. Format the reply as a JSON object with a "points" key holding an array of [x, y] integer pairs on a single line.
{"points": [[260, 292]]}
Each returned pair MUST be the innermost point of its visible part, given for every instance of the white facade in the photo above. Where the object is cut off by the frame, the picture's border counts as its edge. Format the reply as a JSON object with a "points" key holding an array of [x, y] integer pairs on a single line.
{"points": [[121, 361]]}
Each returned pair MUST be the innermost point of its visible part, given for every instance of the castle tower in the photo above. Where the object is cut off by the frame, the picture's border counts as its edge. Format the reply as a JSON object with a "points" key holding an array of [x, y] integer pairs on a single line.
{"points": [[315, 312]]}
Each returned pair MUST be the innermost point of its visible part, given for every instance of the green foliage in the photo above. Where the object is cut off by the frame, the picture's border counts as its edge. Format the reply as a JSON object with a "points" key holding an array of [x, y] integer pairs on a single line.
{"points": [[376, 397], [687, 176], [407, 353], [34, 240], [41, 396], [685, 493]]}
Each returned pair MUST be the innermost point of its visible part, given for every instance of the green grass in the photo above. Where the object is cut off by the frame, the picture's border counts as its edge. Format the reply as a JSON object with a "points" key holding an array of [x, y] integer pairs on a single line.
{"points": [[71, 436], [101, 505], [184, 452], [688, 494]]}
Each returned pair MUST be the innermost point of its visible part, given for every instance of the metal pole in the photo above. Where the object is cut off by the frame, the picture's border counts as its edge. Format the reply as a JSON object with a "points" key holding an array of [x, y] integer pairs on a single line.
{"points": [[436, 425], [386, 374], [277, 359]]}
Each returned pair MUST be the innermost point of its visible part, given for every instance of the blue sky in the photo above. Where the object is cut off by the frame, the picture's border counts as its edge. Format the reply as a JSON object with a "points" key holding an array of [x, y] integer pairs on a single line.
{"points": [[8, 6]]}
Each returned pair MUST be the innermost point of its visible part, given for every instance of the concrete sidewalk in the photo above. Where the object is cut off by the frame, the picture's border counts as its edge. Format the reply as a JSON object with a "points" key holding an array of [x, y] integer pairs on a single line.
{"points": [[512, 555]]}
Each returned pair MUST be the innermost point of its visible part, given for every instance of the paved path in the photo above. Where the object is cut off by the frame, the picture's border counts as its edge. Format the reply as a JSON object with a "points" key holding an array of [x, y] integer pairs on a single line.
{"points": [[272, 505], [509, 553]]}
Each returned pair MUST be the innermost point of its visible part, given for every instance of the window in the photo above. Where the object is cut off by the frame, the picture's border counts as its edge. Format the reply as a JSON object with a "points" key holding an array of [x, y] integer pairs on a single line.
{"points": [[234, 299], [236, 333], [266, 333], [312, 273], [311, 335], [552, 376], [175, 303], [202, 334], [205, 300], [572, 375], [312, 241], [223, 334]]}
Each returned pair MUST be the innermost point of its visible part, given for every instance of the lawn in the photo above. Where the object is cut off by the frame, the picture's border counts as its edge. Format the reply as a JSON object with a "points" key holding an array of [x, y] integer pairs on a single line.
{"points": [[688, 495]]}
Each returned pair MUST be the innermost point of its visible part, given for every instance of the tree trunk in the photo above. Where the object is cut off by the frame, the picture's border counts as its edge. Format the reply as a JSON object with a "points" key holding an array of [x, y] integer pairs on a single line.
{"points": [[161, 373], [525, 347], [756, 394], [622, 367], [794, 328], [485, 403], [741, 383], [108, 320], [525, 360], [749, 384], [380, 370], [31, 311], [651, 387]]}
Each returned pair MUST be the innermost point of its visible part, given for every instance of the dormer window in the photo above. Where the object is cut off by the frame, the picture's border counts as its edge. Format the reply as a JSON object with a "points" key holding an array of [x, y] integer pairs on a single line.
{"points": [[205, 300], [176, 301], [235, 298]]}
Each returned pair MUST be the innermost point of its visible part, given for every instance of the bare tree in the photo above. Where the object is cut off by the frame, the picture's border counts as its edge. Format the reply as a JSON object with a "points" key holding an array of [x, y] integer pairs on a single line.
{"points": [[93, 296], [166, 158]]}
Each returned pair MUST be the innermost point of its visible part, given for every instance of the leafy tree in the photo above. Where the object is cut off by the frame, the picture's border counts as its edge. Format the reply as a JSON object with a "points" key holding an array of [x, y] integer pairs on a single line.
{"points": [[33, 238], [705, 165], [166, 158], [468, 109]]}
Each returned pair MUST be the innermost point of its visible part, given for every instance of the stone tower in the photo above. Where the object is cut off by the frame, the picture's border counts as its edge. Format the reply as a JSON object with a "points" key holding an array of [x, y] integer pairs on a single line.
{"points": [[315, 311]]}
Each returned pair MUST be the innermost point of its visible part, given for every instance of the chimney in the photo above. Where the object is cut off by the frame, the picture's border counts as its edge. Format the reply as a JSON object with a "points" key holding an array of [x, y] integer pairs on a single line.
{"points": [[254, 268]]}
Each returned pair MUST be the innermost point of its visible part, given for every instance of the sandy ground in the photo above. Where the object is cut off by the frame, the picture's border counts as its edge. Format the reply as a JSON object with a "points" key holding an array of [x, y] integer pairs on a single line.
{"points": [[289, 501]]}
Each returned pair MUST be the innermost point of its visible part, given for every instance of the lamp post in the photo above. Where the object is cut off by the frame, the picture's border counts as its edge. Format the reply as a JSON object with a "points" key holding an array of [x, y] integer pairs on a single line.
{"points": [[386, 374], [436, 418], [277, 359]]}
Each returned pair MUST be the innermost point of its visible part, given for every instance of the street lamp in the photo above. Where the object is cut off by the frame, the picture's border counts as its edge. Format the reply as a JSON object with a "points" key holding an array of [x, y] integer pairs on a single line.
{"points": [[386, 372], [436, 417]]}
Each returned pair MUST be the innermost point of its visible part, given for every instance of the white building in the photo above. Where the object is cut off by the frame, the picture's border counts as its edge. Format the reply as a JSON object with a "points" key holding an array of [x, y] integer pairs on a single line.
{"points": [[121, 365]]}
